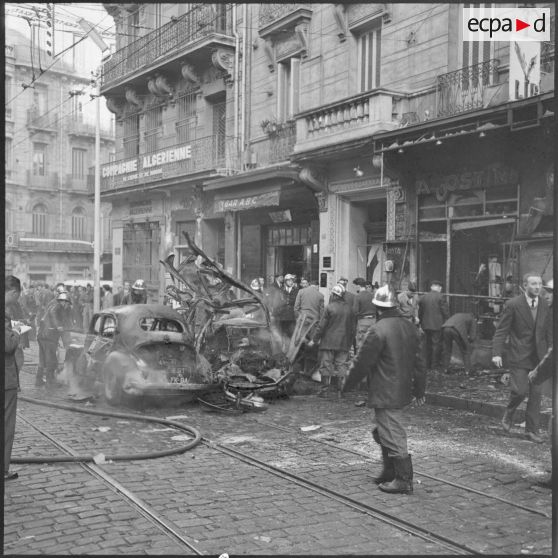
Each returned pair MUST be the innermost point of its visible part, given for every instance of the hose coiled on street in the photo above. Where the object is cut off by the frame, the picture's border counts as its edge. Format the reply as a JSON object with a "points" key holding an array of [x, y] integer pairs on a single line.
{"points": [[197, 438]]}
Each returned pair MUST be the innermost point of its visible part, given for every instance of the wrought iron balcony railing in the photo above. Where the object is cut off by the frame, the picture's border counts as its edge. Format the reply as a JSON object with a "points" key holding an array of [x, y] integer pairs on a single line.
{"points": [[200, 21], [46, 181], [272, 13], [548, 50], [463, 90], [213, 153], [47, 121], [277, 147], [78, 127]]}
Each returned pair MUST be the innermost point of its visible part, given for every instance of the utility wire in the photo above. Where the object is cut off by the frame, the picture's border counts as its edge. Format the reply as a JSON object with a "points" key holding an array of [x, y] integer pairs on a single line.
{"points": [[55, 61]]}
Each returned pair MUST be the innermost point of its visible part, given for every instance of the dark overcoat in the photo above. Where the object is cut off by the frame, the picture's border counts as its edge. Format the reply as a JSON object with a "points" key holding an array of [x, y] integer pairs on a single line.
{"points": [[11, 344], [391, 357], [529, 339], [433, 310], [336, 329]]}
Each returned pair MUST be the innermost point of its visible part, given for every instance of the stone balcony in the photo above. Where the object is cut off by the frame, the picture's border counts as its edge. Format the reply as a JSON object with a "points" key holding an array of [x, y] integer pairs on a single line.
{"points": [[276, 18], [49, 242], [351, 118]]}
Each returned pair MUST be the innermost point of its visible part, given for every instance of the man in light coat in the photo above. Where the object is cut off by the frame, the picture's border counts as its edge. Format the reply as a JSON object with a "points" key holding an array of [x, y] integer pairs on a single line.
{"points": [[526, 319], [391, 357]]}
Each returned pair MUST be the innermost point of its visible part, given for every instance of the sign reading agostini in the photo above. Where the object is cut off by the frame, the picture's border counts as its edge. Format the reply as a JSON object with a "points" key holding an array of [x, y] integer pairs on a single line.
{"points": [[151, 164]]}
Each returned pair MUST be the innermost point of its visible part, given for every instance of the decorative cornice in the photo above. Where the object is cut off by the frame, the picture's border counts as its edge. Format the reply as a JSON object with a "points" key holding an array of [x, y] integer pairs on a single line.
{"points": [[340, 14]]}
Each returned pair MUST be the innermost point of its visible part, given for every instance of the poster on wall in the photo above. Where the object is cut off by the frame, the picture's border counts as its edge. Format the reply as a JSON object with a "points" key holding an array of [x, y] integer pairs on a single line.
{"points": [[525, 69]]}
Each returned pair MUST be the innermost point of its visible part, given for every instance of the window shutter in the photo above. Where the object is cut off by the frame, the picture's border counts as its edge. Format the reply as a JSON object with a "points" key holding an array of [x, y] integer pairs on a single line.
{"points": [[295, 85]]}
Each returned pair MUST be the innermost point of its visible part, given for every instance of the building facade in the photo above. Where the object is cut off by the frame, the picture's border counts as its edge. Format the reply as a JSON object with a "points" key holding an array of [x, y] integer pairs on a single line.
{"points": [[49, 155], [279, 136]]}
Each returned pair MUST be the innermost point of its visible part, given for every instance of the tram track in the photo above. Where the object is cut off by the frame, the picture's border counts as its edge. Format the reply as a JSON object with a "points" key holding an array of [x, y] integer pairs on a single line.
{"points": [[291, 430], [155, 519]]}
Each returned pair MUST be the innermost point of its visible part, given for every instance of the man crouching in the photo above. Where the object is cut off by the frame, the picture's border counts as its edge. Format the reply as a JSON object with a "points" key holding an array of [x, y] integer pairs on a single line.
{"points": [[392, 358]]}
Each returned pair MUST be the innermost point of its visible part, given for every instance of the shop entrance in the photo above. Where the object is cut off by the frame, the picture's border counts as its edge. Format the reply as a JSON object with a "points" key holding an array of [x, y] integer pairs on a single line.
{"points": [[432, 264]]}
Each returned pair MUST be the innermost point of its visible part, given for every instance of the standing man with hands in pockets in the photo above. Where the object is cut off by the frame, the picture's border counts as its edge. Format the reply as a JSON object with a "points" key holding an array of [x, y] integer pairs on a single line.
{"points": [[527, 321]]}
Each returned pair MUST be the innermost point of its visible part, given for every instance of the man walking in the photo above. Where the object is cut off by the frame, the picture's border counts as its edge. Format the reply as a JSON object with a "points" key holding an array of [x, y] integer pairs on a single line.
{"points": [[391, 357], [433, 312], [526, 320], [461, 328]]}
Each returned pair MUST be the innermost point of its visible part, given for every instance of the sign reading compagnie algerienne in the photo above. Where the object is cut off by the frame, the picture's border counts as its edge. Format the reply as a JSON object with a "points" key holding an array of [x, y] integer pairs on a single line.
{"points": [[146, 165]]}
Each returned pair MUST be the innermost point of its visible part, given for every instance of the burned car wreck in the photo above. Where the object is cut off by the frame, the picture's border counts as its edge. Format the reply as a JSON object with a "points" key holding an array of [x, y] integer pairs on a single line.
{"points": [[216, 345]]}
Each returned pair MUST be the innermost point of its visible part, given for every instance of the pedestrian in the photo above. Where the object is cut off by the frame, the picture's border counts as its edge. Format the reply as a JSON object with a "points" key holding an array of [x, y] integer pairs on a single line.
{"points": [[137, 295], [549, 292], [461, 329], [108, 300], [86, 302], [349, 297], [408, 303], [544, 371], [526, 319], [304, 283], [334, 336], [391, 357], [12, 291], [365, 311], [77, 309], [433, 312], [117, 297], [256, 312], [288, 316], [50, 331]]}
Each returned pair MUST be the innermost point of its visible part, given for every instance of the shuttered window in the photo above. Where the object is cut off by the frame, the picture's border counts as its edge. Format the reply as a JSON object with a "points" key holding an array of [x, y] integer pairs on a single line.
{"points": [[39, 216], [78, 223], [78, 162], [369, 53]]}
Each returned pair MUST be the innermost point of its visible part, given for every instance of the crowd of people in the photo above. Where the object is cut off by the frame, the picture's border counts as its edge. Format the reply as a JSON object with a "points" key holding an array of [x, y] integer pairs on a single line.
{"points": [[390, 340]]}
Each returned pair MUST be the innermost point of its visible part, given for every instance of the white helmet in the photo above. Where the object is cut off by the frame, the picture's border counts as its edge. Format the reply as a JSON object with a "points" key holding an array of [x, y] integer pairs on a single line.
{"points": [[549, 285], [337, 290], [385, 297]]}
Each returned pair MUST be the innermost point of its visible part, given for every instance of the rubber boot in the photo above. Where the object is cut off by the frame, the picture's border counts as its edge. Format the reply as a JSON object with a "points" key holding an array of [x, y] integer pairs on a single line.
{"points": [[388, 472], [403, 481], [50, 378], [39, 378]]}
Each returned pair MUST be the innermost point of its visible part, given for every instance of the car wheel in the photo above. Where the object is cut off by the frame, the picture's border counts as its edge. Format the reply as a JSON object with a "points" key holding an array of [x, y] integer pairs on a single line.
{"points": [[113, 387]]}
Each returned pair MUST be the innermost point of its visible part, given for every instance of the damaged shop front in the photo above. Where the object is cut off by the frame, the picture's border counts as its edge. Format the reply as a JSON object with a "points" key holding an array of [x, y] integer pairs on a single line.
{"points": [[475, 205], [271, 223]]}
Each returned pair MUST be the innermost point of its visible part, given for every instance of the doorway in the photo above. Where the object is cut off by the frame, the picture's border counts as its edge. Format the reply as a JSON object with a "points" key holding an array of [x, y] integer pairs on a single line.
{"points": [[432, 264]]}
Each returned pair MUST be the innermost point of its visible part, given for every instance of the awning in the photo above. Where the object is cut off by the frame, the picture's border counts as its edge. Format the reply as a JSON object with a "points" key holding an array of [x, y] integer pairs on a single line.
{"points": [[461, 226]]}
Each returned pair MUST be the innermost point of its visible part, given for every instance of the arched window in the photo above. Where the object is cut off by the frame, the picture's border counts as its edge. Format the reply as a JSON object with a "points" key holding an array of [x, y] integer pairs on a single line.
{"points": [[78, 223], [40, 215]]}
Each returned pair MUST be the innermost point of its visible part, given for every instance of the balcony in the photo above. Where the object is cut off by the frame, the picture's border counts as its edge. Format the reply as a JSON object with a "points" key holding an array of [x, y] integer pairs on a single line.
{"points": [[275, 18], [206, 26], [79, 184], [276, 147], [77, 127], [215, 154], [349, 119], [49, 242], [47, 181], [46, 122], [469, 88]]}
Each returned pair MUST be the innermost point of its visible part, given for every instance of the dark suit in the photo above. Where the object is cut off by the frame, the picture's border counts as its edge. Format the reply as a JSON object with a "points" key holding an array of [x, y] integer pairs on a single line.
{"points": [[461, 328], [11, 379], [433, 312], [529, 341]]}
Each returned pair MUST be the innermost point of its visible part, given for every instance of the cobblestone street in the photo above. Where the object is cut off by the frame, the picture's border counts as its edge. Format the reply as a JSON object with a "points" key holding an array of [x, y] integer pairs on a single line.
{"points": [[218, 503]]}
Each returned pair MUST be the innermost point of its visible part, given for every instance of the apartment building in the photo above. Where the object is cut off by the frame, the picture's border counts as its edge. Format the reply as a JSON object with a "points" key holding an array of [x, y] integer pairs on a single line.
{"points": [[49, 155], [297, 138]]}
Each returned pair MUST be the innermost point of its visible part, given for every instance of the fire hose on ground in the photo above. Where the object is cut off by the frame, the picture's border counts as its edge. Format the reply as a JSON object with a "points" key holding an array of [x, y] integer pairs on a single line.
{"points": [[125, 457]]}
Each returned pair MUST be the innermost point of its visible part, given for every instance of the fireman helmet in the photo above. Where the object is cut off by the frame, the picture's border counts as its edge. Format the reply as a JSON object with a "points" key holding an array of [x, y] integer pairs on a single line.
{"points": [[255, 284], [61, 289], [549, 285], [64, 296], [337, 290], [139, 285], [385, 297]]}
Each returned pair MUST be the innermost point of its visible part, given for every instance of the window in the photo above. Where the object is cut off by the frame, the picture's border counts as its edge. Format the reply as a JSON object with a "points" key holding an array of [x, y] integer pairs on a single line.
{"points": [[39, 159], [8, 94], [78, 223], [186, 125], [153, 128], [78, 162], [9, 218], [131, 135], [40, 100], [160, 324], [76, 108], [288, 76], [39, 215], [219, 110], [475, 52], [8, 152], [369, 52]]}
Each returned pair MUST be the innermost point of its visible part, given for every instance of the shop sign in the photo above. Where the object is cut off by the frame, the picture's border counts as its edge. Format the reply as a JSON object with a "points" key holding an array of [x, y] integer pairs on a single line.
{"points": [[443, 185], [247, 202], [140, 208], [145, 166]]}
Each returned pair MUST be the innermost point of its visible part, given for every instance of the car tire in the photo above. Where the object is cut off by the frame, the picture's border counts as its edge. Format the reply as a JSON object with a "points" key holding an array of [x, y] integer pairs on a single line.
{"points": [[114, 393]]}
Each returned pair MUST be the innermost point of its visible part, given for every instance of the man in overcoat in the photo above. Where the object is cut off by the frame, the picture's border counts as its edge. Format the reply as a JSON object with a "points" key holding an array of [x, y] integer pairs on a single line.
{"points": [[335, 334], [433, 311], [526, 319], [391, 357], [12, 290]]}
